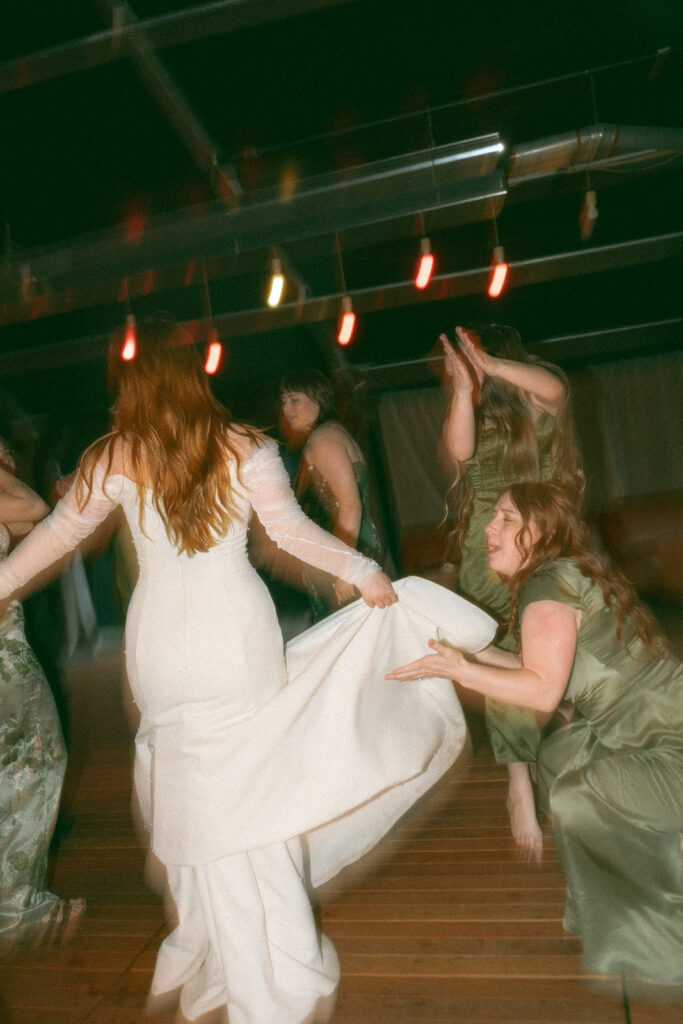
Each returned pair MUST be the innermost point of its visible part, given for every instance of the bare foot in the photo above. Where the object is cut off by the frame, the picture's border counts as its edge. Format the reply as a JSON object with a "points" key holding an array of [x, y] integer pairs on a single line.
{"points": [[59, 927], [521, 806]]}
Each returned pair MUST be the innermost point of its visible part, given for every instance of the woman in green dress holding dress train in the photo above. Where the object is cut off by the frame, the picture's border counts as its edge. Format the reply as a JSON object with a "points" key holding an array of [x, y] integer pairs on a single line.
{"points": [[612, 778]]}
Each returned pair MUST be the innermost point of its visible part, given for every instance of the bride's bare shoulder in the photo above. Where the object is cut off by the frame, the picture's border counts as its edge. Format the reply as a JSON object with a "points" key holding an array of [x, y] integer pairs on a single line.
{"points": [[114, 456], [243, 441]]}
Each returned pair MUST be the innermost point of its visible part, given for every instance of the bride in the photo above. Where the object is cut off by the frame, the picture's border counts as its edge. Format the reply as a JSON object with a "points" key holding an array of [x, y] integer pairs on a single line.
{"points": [[241, 752]]}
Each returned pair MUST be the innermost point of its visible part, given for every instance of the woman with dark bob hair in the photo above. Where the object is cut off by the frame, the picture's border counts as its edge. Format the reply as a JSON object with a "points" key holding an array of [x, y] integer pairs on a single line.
{"points": [[612, 778], [331, 483], [257, 775]]}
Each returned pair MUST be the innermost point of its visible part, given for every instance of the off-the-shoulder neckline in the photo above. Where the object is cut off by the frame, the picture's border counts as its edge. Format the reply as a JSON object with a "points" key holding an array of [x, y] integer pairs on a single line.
{"points": [[130, 480]]}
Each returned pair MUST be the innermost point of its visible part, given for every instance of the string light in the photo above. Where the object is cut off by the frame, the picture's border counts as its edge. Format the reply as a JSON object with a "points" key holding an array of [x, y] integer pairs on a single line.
{"points": [[347, 322], [499, 273], [499, 267], [276, 285], [347, 319], [425, 266], [130, 339], [214, 352]]}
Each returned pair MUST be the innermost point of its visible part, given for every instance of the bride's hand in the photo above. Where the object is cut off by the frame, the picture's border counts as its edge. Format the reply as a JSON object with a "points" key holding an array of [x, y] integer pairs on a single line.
{"points": [[377, 591], [446, 663]]}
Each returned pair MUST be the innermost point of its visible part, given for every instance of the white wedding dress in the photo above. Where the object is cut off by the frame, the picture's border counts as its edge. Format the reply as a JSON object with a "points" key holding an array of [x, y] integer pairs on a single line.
{"points": [[259, 773]]}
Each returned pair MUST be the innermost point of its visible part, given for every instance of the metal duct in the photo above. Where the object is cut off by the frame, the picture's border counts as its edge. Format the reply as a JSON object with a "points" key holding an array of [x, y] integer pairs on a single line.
{"points": [[597, 145], [449, 185]]}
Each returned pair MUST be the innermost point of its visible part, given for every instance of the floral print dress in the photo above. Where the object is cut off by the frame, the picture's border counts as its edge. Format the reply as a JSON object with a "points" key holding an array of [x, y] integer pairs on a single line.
{"points": [[32, 765]]}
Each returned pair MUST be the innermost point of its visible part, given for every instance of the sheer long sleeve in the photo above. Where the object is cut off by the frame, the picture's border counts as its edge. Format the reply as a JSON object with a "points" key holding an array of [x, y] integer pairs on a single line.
{"points": [[271, 496], [56, 535]]}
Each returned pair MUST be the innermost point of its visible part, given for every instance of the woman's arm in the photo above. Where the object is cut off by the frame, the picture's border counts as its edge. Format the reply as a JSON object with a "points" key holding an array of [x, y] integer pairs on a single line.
{"points": [[54, 537], [20, 507], [327, 455], [458, 437], [545, 389], [549, 638], [497, 656], [272, 498]]}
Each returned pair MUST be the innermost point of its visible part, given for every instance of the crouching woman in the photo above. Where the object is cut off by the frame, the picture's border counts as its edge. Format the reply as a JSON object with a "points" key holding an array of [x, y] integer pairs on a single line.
{"points": [[612, 778]]}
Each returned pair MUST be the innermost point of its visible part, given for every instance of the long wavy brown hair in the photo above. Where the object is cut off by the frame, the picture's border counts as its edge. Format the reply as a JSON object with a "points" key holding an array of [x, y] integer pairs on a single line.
{"points": [[507, 411], [175, 435], [563, 534]]}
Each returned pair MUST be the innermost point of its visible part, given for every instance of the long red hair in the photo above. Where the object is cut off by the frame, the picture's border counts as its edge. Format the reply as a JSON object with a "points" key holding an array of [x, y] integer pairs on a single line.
{"points": [[563, 534], [176, 436]]}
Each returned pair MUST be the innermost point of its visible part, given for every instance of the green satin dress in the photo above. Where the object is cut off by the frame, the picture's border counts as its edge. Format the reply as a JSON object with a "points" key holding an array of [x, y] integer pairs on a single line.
{"points": [[513, 732], [33, 761], [318, 502], [613, 782]]}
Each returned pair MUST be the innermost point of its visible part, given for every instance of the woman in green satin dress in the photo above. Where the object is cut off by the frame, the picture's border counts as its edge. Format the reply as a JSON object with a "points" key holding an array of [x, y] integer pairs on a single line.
{"points": [[331, 483], [32, 756], [612, 779], [508, 420]]}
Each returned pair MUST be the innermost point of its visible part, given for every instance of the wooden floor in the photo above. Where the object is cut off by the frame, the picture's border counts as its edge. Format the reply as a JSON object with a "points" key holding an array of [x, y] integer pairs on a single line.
{"points": [[444, 923]]}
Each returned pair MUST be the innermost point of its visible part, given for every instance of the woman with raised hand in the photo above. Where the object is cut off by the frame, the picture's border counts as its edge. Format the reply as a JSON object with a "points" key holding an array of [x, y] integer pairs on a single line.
{"points": [[240, 752], [611, 779], [508, 420]]}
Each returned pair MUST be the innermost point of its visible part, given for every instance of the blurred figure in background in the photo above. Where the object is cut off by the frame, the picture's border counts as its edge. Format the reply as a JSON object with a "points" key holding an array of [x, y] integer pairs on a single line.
{"points": [[32, 754], [331, 482]]}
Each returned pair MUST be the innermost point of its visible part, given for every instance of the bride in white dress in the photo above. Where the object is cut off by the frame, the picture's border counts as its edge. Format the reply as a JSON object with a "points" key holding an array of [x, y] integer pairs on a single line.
{"points": [[259, 775]]}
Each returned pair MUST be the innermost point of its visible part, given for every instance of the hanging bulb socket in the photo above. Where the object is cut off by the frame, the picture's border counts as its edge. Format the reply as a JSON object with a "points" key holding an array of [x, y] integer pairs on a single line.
{"points": [[130, 339], [425, 265], [347, 322], [588, 215], [499, 272]]}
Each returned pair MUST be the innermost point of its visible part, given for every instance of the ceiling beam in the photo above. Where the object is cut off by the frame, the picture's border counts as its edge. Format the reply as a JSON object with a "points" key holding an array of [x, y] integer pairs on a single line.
{"points": [[221, 179], [172, 29]]}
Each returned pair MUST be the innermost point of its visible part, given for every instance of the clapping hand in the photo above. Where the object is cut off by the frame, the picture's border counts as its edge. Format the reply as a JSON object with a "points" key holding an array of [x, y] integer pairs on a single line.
{"points": [[456, 368], [482, 363]]}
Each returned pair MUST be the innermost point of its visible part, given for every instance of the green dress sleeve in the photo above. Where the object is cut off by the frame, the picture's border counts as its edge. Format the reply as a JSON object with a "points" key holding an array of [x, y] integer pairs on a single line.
{"points": [[559, 581]]}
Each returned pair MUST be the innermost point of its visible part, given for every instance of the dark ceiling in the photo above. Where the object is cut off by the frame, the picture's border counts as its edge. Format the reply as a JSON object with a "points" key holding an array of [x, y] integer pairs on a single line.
{"points": [[149, 148]]}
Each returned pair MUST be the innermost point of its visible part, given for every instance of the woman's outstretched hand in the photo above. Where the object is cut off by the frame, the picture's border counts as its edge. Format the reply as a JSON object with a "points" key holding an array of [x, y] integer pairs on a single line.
{"points": [[446, 663], [377, 591]]}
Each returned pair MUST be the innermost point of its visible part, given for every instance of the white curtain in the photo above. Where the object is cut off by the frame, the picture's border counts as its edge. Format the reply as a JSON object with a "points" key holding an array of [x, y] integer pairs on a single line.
{"points": [[410, 422], [641, 418]]}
